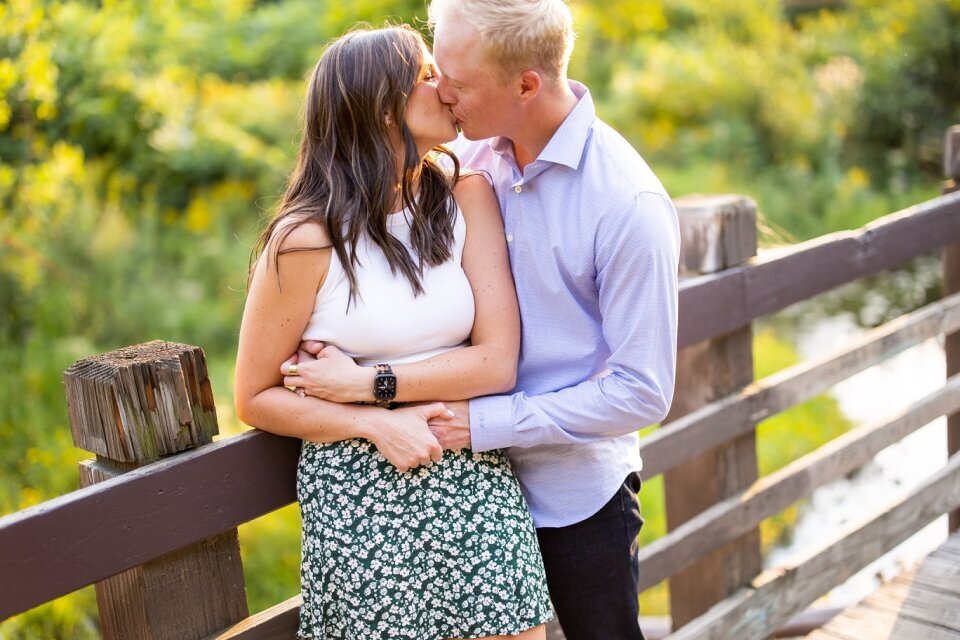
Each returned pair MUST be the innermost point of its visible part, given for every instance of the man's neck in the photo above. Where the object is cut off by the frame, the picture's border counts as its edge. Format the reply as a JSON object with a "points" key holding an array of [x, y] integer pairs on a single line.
{"points": [[541, 123]]}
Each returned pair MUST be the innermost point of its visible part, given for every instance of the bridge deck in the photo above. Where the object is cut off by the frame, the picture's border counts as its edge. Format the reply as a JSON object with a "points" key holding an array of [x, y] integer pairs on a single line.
{"points": [[921, 603]]}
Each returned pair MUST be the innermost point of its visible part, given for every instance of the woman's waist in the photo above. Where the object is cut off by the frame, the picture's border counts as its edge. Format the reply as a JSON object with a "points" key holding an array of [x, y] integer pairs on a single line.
{"points": [[361, 454]]}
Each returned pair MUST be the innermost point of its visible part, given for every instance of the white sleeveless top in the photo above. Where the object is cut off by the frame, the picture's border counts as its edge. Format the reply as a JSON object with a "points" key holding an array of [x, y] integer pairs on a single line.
{"points": [[386, 323]]}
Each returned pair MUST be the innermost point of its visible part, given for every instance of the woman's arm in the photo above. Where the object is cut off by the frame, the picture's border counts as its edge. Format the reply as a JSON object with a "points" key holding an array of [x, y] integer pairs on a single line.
{"points": [[279, 304], [487, 366]]}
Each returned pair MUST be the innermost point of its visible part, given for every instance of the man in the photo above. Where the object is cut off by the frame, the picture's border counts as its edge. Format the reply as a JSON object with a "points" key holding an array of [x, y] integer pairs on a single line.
{"points": [[594, 247]]}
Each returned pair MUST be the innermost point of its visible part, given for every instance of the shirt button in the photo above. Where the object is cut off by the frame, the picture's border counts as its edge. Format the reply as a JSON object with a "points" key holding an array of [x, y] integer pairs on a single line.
{"points": [[518, 188], [509, 237]]}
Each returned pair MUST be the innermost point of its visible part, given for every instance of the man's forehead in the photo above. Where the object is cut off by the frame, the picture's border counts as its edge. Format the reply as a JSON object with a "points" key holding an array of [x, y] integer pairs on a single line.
{"points": [[456, 48]]}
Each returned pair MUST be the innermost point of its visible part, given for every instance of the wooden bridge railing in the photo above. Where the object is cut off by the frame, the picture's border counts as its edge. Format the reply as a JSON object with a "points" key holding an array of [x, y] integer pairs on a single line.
{"points": [[169, 524]]}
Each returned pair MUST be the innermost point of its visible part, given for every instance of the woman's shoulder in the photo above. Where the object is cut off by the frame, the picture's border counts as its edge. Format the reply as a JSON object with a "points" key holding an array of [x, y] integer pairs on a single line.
{"points": [[473, 188], [298, 234]]}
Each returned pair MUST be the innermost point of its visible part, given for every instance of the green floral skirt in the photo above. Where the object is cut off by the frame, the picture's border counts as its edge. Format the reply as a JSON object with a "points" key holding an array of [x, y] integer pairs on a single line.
{"points": [[446, 550]]}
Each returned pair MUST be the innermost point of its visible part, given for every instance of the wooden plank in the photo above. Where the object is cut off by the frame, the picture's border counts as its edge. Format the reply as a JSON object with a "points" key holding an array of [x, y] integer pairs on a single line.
{"points": [[713, 305], [951, 284], [938, 571], [941, 569], [742, 512], [69, 542], [279, 622], [154, 399], [866, 624], [753, 613], [717, 233], [703, 429], [951, 153], [951, 546], [183, 594], [922, 602], [158, 402]]}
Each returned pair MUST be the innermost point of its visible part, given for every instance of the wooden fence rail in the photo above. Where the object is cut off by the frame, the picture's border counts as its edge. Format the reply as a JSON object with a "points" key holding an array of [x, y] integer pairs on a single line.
{"points": [[714, 424], [756, 612], [77, 539], [138, 515]]}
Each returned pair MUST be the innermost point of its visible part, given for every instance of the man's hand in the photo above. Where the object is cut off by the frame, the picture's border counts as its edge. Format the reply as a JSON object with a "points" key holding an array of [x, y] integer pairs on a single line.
{"points": [[405, 439], [453, 431]]}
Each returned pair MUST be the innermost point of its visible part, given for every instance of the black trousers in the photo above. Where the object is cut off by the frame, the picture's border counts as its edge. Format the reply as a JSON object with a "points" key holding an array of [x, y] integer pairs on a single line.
{"points": [[592, 569]]}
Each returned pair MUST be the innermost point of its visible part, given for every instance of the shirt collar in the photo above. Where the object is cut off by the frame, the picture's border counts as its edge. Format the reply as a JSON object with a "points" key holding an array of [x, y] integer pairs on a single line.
{"points": [[567, 144]]}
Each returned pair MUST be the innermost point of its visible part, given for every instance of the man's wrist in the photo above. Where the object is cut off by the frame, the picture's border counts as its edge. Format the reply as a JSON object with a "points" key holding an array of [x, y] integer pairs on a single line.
{"points": [[491, 425]]}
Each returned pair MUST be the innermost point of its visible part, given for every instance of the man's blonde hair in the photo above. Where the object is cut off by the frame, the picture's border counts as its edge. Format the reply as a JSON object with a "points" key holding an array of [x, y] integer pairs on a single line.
{"points": [[517, 33]]}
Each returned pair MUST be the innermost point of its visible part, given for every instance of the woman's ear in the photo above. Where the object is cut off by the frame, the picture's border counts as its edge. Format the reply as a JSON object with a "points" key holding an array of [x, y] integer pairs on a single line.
{"points": [[388, 119]]}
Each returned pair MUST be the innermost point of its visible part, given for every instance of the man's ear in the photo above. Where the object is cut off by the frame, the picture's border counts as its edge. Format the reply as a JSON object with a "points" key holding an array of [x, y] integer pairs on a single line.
{"points": [[530, 84]]}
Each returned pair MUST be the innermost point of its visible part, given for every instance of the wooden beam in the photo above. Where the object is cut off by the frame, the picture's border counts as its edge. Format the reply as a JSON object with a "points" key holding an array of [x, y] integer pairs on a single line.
{"points": [[139, 403], [279, 622], [922, 602], [713, 305], [730, 417], [755, 612], [130, 407], [951, 284], [738, 514], [77, 539], [717, 232]]}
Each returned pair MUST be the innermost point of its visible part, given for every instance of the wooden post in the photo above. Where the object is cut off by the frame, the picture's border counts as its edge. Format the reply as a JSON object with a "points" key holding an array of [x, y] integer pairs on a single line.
{"points": [[951, 284], [130, 407], [717, 233]]}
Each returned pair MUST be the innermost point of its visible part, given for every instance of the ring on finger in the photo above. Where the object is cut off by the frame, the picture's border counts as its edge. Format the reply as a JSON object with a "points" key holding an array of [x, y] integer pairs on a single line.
{"points": [[292, 370]]}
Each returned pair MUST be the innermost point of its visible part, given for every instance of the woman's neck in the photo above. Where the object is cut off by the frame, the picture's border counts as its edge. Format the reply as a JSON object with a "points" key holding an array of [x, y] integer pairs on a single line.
{"points": [[399, 205]]}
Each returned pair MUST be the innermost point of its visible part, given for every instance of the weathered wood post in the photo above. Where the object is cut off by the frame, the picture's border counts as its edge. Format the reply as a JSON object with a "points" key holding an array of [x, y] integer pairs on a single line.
{"points": [[131, 407], [718, 232], [951, 284]]}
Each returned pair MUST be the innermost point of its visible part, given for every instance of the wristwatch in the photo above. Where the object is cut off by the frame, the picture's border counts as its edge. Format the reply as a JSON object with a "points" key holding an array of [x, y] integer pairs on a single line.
{"points": [[384, 385]]}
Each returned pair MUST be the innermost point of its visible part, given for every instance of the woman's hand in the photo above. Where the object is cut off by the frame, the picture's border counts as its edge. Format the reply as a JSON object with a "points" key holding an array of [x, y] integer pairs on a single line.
{"points": [[403, 437], [325, 372]]}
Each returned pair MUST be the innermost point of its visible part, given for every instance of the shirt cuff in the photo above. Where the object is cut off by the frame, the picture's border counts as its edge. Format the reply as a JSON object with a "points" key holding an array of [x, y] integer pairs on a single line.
{"points": [[491, 424]]}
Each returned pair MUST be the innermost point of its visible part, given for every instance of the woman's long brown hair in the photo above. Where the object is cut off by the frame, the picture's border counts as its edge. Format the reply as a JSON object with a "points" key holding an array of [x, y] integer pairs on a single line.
{"points": [[346, 171]]}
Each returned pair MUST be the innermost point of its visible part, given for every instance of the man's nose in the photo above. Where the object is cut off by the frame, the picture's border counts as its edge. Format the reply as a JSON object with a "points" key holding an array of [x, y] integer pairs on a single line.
{"points": [[443, 90]]}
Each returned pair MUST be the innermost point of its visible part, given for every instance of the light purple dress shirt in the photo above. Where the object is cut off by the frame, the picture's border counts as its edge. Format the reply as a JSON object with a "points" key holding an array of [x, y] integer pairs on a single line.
{"points": [[594, 246]]}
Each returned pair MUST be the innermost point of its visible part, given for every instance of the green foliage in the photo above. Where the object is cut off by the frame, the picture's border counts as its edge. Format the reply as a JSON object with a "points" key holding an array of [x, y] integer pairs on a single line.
{"points": [[72, 617], [141, 143], [271, 558], [838, 108]]}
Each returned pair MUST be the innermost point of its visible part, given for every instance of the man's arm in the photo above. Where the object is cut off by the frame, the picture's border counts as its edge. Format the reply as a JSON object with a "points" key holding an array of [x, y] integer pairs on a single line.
{"points": [[637, 255]]}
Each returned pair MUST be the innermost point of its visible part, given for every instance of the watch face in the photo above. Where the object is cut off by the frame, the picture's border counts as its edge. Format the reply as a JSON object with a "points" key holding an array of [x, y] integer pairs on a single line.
{"points": [[385, 386]]}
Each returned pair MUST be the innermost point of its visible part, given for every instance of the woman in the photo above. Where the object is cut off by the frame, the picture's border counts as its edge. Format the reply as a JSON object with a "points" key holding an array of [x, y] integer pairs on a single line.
{"points": [[377, 250]]}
